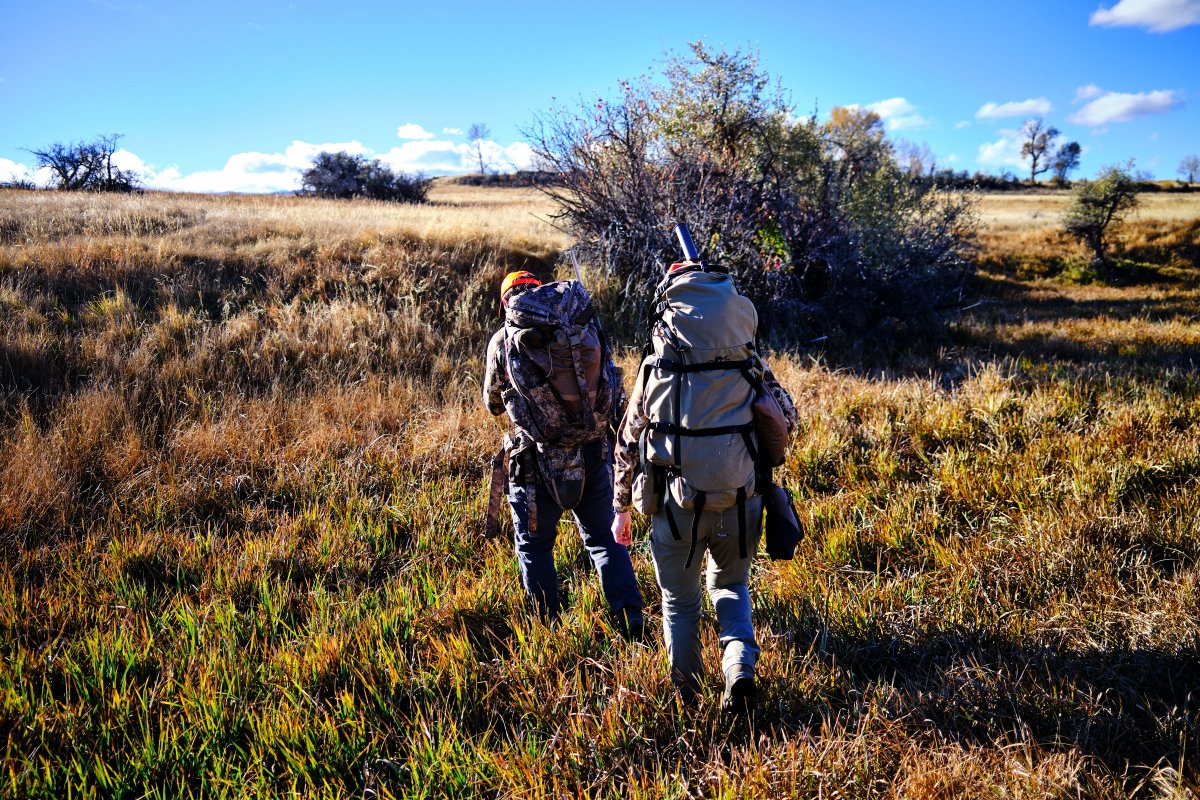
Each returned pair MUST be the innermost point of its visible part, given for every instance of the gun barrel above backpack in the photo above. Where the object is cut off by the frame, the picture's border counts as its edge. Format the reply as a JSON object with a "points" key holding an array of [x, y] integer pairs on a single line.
{"points": [[684, 235]]}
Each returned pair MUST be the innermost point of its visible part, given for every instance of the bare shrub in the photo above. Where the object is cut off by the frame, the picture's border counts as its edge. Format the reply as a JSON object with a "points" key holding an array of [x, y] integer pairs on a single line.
{"points": [[87, 166], [817, 222]]}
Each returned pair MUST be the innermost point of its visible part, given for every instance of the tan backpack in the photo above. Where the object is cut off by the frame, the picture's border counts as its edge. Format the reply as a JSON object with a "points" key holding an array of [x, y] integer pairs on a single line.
{"points": [[699, 393]]}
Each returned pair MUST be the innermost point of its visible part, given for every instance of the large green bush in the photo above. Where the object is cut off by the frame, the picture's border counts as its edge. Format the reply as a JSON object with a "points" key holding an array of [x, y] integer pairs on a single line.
{"points": [[818, 223]]}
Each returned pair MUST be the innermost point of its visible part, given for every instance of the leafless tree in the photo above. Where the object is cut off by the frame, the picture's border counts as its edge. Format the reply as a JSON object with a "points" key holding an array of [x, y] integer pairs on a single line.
{"points": [[1189, 168], [86, 166], [476, 135], [1039, 138], [916, 159]]}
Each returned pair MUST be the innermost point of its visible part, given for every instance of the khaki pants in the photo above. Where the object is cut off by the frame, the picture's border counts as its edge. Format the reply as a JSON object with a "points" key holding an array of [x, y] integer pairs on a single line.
{"points": [[725, 578]]}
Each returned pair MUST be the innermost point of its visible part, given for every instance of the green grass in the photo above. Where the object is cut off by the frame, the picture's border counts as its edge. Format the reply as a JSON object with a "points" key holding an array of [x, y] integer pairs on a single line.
{"points": [[241, 517]]}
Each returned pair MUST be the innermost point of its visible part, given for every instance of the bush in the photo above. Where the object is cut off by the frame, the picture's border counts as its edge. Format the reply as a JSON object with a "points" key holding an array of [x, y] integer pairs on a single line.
{"points": [[1099, 204], [818, 223], [343, 175]]}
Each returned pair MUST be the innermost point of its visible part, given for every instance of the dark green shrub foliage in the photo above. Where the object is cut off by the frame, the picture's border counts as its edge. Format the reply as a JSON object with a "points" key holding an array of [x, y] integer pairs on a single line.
{"points": [[343, 175], [818, 223]]}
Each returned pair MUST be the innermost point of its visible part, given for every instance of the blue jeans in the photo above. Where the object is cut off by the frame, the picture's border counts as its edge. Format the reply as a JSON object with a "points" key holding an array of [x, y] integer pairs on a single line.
{"points": [[725, 578], [593, 514]]}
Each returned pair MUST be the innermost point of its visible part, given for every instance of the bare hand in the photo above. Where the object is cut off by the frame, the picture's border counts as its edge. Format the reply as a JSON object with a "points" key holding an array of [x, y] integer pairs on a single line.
{"points": [[621, 528]]}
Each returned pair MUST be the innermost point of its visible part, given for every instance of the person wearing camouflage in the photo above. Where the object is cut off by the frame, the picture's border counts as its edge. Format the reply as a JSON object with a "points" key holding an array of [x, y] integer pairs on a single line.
{"points": [[559, 455]]}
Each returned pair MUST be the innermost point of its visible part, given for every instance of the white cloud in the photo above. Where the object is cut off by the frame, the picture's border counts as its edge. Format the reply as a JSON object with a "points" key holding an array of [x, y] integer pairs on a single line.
{"points": [[12, 171], [451, 157], [1032, 107], [898, 114], [452, 131], [1087, 92], [1005, 151], [261, 173], [1108, 107], [1156, 16], [128, 161], [411, 130], [250, 172], [964, 123]]}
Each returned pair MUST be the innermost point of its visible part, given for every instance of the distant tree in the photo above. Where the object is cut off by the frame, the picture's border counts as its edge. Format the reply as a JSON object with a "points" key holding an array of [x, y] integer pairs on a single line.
{"points": [[18, 183], [916, 159], [1189, 168], [858, 138], [1065, 160], [1039, 138], [476, 135], [342, 175], [1099, 204], [333, 175], [86, 166]]}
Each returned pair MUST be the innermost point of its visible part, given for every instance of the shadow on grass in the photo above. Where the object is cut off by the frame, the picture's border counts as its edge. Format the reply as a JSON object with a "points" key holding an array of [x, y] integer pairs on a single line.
{"points": [[1127, 707]]}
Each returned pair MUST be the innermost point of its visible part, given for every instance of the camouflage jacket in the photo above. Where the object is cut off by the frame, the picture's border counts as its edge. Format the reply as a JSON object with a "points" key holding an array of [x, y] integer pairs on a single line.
{"points": [[556, 463], [629, 433]]}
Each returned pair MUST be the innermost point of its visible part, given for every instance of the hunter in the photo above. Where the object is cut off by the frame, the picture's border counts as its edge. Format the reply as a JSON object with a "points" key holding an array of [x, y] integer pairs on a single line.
{"points": [[549, 369], [690, 454]]}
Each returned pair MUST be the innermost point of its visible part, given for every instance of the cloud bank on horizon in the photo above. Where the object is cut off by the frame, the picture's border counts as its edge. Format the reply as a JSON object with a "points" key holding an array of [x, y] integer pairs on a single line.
{"points": [[267, 173]]}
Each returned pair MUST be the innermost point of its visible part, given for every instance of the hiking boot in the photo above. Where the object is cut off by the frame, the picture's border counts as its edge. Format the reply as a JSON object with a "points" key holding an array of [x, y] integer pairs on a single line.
{"points": [[741, 696]]}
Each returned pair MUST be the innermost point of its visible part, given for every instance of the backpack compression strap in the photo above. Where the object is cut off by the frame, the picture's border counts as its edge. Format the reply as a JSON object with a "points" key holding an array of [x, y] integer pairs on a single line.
{"points": [[680, 369], [698, 509]]}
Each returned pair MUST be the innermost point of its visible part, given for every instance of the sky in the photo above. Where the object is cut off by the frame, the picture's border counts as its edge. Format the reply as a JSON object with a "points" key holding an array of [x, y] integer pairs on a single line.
{"points": [[226, 95]]}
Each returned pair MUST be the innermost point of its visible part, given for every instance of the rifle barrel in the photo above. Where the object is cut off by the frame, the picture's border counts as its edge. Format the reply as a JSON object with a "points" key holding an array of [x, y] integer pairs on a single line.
{"points": [[685, 242]]}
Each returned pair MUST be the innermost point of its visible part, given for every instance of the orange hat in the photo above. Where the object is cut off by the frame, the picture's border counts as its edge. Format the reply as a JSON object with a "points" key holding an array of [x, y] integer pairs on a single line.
{"points": [[520, 278]]}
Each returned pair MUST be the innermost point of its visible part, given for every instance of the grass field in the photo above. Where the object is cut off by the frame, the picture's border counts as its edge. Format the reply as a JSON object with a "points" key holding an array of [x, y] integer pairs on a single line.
{"points": [[242, 464]]}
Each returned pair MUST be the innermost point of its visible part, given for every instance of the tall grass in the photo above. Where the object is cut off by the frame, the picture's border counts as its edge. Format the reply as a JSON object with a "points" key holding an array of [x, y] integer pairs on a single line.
{"points": [[242, 458]]}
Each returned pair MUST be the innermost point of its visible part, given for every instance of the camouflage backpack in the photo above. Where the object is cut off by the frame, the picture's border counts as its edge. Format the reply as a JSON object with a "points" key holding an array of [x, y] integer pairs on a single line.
{"points": [[564, 387]]}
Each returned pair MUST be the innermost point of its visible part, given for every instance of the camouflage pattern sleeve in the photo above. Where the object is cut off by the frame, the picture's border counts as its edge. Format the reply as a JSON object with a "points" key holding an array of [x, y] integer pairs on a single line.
{"points": [[620, 397], [495, 378], [786, 404], [626, 456]]}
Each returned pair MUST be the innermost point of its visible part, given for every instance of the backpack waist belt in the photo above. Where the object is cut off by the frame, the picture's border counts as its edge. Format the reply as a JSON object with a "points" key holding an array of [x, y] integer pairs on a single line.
{"points": [[670, 365]]}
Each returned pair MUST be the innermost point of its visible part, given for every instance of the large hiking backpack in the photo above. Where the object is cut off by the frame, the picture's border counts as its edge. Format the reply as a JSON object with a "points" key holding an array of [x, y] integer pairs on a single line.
{"points": [[698, 391], [564, 387]]}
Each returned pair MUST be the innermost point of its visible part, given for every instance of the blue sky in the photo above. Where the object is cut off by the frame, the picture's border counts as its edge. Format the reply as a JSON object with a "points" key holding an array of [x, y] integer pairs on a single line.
{"points": [[238, 96]]}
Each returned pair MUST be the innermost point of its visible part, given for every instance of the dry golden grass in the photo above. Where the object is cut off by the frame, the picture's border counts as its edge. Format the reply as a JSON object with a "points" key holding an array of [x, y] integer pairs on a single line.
{"points": [[1021, 232], [242, 457]]}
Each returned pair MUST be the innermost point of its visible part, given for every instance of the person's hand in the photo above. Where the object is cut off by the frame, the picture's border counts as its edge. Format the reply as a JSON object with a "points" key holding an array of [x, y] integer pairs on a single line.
{"points": [[621, 527]]}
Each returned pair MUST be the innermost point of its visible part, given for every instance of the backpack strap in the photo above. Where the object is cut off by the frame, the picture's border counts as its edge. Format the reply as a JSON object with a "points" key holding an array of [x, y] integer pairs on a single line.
{"points": [[669, 365], [749, 440], [678, 430], [698, 509], [671, 522], [741, 507], [723, 430]]}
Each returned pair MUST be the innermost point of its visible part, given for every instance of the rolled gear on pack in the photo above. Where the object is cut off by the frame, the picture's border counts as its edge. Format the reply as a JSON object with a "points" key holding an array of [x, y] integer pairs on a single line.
{"points": [[699, 389], [563, 391]]}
